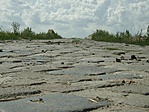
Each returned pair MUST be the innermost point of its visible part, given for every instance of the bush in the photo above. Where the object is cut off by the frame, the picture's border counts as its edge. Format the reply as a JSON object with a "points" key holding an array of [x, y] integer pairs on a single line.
{"points": [[15, 27], [121, 37], [101, 35], [27, 33], [7, 36]]}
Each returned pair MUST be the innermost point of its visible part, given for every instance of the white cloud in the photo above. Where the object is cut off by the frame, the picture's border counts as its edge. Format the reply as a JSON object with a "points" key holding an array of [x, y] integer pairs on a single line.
{"points": [[77, 18]]}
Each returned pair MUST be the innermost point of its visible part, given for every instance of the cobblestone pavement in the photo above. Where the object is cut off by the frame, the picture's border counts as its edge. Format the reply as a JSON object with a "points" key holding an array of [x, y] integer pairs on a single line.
{"points": [[66, 75]]}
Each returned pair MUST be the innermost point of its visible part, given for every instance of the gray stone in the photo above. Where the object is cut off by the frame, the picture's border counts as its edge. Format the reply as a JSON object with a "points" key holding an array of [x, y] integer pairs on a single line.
{"points": [[119, 53], [133, 57], [92, 60], [133, 88], [118, 60], [137, 100], [5, 79], [84, 70], [121, 76], [122, 108], [96, 84], [14, 93], [52, 103]]}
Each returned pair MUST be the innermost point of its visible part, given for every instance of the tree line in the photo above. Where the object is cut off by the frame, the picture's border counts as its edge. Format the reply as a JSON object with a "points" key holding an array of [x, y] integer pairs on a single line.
{"points": [[122, 37], [27, 33]]}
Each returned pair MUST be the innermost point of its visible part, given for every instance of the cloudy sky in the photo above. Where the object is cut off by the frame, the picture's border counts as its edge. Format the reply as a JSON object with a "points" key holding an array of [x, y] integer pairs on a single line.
{"points": [[76, 18]]}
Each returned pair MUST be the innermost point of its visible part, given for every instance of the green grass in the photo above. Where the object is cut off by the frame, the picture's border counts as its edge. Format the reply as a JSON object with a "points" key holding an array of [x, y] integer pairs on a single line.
{"points": [[76, 40], [13, 36], [8, 36], [27, 33], [122, 37]]}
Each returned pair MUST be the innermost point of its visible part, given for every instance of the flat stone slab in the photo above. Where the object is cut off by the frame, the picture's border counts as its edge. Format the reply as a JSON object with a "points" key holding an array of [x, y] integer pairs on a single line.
{"points": [[119, 76], [137, 100], [5, 79], [52, 103], [96, 84], [84, 70], [135, 89], [92, 60], [124, 108], [13, 93]]}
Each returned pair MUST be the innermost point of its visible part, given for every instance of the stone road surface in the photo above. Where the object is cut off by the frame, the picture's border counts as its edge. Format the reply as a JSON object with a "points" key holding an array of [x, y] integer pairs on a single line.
{"points": [[69, 75]]}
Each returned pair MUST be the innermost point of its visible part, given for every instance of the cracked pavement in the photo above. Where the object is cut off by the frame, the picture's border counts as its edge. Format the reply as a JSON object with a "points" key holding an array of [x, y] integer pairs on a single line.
{"points": [[86, 76]]}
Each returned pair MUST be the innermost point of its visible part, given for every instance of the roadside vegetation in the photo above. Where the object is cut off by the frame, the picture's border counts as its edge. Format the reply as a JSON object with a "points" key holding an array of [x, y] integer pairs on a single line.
{"points": [[99, 35], [27, 33], [76, 40], [122, 37]]}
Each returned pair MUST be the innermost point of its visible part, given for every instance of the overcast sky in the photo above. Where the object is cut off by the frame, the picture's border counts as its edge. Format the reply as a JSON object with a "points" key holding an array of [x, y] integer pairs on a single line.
{"points": [[76, 18]]}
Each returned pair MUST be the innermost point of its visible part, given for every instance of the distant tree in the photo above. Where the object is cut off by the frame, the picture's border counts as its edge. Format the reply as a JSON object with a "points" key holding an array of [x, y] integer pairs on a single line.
{"points": [[122, 35], [117, 35], [147, 32], [15, 27], [127, 33]]}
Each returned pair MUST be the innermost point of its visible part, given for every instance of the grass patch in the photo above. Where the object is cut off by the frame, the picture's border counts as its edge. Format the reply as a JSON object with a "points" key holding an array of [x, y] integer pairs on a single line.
{"points": [[76, 40]]}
